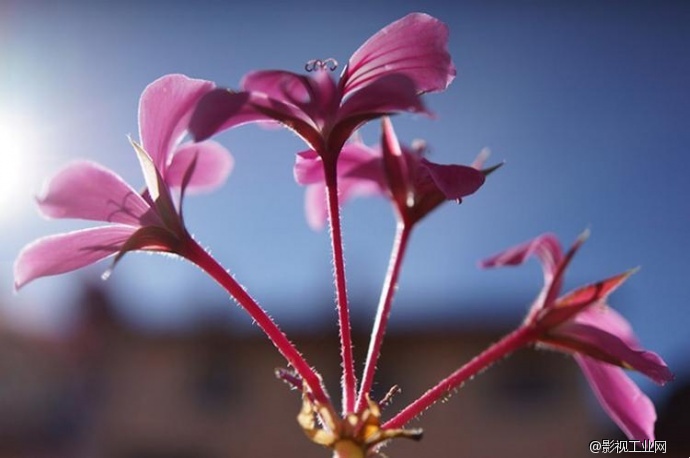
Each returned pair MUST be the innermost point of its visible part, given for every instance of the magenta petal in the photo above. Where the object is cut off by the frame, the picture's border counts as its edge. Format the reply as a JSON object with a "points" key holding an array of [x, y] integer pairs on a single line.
{"points": [[164, 111], [620, 398], [62, 253], [89, 191], [546, 247], [279, 85], [222, 109], [599, 343], [454, 181], [315, 206], [212, 165], [387, 95], [308, 168], [414, 46]]}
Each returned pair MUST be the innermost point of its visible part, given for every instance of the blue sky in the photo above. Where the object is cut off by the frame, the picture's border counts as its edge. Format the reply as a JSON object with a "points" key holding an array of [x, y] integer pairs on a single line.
{"points": [[587, 102]]}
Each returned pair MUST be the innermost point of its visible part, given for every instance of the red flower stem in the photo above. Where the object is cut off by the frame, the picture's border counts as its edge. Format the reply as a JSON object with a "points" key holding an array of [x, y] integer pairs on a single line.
{"points": [[402, 235], [199, 256], [348, 379], [511, 342]]}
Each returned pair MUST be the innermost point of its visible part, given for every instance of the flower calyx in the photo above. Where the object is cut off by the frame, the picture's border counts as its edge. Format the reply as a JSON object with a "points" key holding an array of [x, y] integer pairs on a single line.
{"points": [[357, 435]]}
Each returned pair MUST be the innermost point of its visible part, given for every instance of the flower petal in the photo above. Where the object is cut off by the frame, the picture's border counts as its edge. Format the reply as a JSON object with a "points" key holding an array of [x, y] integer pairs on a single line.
{"points": [[87, 190], [221, 109], [546, 247], [62, 253], [280, 85], [620, 398], [454, 181], [308, 168], [212, 167], [354, 158], [414, 46], [387, 95], [315, 206], [165, 107], [574, 302], [598, 342]]}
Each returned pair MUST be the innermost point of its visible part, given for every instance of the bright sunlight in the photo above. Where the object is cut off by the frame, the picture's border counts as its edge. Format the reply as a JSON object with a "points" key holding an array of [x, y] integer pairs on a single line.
{"points": [[16, 172]]}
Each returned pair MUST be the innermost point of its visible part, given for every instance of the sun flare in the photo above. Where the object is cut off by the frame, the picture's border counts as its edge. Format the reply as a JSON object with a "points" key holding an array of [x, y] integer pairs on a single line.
{"points": [[16, 154]]}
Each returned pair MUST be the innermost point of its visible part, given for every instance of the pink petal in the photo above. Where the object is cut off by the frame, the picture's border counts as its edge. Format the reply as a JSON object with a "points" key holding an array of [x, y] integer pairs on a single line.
{"points": [[454, 181], [62, 253], [212, 165], [165, 108], [279, 85], [221, 109], [89, 191], [620, 398], [577, 302], [315, 95], [315, 206], [546, 247], [308, 168], [395, 167], [414, 46], [387, 95], [598, 342]]}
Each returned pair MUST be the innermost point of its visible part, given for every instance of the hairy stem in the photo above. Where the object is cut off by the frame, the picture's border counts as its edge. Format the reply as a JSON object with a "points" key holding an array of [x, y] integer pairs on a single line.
{"points": [[511, 342], [199, 256], [348, 379], [390, 284]]}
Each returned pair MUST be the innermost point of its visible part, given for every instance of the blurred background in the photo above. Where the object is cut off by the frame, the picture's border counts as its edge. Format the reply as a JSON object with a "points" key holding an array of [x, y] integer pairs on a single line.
{"points": [[588, 104]]}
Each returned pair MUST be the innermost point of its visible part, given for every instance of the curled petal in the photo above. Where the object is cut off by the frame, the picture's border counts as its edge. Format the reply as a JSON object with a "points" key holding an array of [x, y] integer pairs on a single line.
{"points": [[212, 165], [62, 253], [164, 111], [546, 247], [600, 344], [87, 190], [414, 46], [620, 398]]}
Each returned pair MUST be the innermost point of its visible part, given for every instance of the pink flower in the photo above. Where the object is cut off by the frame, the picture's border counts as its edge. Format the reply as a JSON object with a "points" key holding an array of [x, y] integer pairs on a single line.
{"points": [[600, 339], [385, 75], [149, 221], [415, 185]]}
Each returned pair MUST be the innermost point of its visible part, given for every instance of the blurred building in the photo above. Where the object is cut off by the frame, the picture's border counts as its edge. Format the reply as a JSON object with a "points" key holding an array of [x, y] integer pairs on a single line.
{"points": [[113, 391]]}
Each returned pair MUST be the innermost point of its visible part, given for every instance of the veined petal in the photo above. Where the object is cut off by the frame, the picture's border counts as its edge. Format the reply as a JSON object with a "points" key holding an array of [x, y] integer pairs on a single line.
{"points": [[387, 95], [165, 107], [222, 109], [414, 46], [599, 343], [620, 398], [212, 167], [575, 302], [62, 253], [546, 247], [87, 190], [454, 181]]}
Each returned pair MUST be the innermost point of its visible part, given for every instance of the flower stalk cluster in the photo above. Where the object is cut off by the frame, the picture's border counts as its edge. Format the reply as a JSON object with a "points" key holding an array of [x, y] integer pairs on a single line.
{"points": [[387, 75]]}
